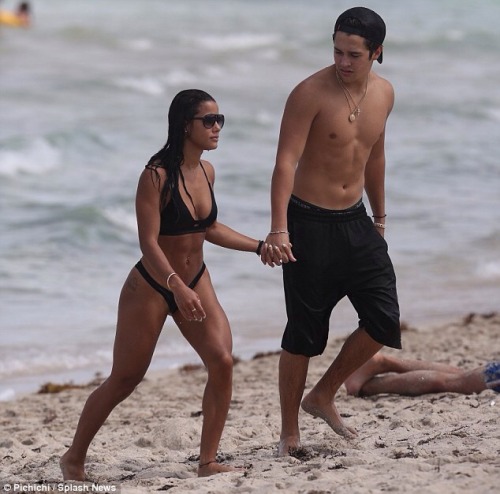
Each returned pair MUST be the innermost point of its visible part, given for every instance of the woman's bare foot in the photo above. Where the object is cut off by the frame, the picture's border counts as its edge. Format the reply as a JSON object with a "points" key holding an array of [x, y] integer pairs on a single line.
{"points": [[328, 413], [288, 445], [71, 470], [213, 468]]}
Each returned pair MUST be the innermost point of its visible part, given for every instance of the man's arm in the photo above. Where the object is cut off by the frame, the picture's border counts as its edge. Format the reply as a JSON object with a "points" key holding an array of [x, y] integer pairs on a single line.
{"points": [[375, 181], [297, 118], [375, 169]]}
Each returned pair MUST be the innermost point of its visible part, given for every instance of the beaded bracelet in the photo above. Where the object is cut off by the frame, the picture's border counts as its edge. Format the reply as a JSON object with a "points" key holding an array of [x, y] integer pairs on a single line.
{"points": [[380, 225]]}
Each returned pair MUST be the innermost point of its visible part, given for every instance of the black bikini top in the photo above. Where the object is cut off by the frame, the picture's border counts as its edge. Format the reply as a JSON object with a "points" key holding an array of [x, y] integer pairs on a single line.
{"points": [[176, 219]]}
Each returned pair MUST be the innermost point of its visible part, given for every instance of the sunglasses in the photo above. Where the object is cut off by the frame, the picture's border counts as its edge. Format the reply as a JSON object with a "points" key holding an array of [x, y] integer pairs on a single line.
{"points": [[211, 119]]}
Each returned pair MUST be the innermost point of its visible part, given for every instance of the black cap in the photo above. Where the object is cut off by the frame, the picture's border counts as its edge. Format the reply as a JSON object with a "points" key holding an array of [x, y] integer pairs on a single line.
{"points": [[363, 22]]}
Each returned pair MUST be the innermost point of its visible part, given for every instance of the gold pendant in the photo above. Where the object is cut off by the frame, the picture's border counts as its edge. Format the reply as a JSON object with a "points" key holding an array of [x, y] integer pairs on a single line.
{"points": [[355, 113]]}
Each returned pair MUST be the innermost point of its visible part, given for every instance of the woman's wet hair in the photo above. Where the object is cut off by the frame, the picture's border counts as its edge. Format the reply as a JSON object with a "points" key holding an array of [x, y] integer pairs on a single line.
{"points": [[183, 108]]}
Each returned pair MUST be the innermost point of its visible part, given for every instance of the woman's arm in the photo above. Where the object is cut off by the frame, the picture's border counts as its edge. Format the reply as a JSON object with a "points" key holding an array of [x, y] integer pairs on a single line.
{"points": [[147, 206], [222, 235]]}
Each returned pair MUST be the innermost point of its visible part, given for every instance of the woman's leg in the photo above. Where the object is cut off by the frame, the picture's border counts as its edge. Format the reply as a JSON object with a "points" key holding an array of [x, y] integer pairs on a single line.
{"points": [[212, 341], [141, 315]]}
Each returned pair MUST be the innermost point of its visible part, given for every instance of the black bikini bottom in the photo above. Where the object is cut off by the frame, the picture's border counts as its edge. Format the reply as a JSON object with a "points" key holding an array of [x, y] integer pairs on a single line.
{"points": [[167, 294]]}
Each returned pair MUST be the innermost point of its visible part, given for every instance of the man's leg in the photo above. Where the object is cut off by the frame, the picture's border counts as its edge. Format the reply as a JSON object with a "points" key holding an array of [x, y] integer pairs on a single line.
{"points": [[357, 349], [292, 380]]}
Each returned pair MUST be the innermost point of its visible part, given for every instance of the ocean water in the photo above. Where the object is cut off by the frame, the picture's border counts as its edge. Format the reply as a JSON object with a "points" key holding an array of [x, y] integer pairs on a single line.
{"points": [[84, 96]]}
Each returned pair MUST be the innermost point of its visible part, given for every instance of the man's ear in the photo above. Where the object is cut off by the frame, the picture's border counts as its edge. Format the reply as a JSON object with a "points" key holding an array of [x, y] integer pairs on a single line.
{"points": [[377, 53]]}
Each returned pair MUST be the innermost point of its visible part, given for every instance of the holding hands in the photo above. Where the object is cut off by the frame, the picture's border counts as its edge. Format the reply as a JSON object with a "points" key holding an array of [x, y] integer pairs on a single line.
{"points": [[277, 249]]}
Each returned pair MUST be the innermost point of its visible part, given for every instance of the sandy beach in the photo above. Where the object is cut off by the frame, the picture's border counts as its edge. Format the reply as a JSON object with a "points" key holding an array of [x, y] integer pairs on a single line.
{"points": [[438, 443]]}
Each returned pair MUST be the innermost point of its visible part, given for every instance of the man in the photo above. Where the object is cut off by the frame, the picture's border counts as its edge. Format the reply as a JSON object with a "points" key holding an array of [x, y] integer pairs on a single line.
{"points": [[388, 374], [331, 147]]}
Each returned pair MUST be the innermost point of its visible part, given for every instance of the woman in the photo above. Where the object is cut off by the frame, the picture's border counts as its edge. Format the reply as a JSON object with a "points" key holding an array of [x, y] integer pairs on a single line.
{"points": [[176, 213]]}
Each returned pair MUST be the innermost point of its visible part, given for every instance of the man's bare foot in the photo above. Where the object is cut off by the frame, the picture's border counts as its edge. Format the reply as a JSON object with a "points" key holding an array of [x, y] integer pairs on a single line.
{"points": [[354, 383], [288, 445], [70, 470], [213, 468], [330, 415]]}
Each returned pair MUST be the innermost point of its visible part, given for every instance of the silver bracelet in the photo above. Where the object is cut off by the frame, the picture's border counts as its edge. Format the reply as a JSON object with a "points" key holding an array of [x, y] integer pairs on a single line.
{"points": [[173, 273], [380, 225]]}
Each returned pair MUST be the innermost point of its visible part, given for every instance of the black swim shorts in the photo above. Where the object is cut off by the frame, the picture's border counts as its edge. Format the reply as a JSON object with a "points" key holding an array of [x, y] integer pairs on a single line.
{"points": [[339, 253]]}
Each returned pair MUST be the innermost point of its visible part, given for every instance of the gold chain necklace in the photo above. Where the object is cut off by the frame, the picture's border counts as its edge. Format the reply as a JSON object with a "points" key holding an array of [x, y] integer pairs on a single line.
{"points": [[355, 110]]}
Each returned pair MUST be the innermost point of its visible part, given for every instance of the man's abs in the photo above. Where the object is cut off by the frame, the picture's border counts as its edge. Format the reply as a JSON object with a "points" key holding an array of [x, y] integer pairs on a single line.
{"points": [[316, 186]]}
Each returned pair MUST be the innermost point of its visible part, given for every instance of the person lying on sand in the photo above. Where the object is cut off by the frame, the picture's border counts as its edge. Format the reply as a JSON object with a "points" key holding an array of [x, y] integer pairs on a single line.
{"points": [[387, 374]]}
